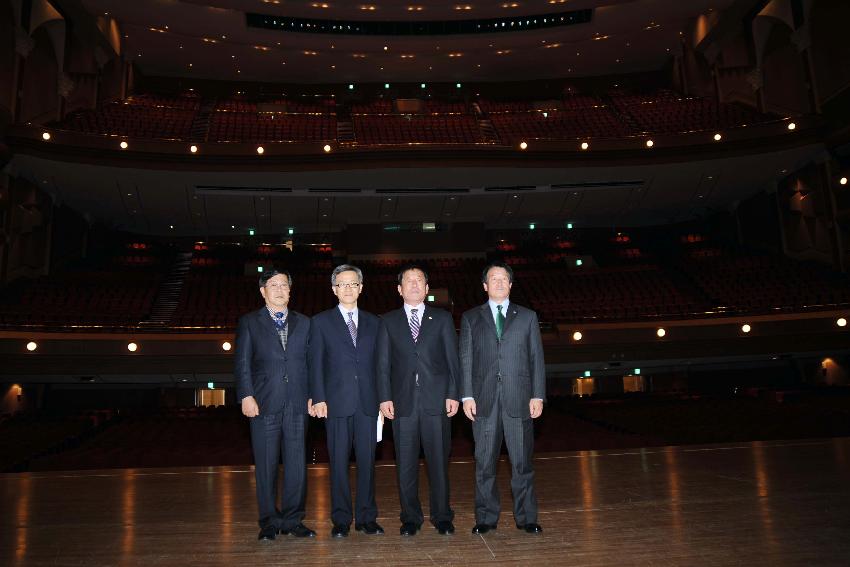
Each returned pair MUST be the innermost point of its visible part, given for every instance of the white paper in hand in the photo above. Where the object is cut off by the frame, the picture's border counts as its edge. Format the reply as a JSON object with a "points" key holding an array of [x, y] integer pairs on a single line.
{"points": [[380, 426]]}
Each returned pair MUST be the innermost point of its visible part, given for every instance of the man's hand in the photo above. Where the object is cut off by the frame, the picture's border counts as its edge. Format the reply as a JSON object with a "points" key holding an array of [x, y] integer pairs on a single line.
{"points": [[250, 407], [310, 411], [321, 409], [387, 409], [469, 409], [536, 408], [451, 407]]}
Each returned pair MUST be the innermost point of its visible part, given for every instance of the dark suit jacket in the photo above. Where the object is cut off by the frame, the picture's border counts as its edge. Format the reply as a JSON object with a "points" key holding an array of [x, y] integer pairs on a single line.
{"points": [[433, 357], [264, 370], [516, 360], [341, 375]]}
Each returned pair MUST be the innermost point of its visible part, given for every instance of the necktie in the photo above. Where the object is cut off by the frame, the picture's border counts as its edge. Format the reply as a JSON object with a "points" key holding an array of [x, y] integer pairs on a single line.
{"points": [[352, 328], [281, 325], [414, 324], [500, 322]]}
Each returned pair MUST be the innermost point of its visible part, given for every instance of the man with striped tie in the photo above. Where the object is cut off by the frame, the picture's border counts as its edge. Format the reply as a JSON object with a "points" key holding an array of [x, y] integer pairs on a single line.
{"points": [[418, 381], [342, 387]]}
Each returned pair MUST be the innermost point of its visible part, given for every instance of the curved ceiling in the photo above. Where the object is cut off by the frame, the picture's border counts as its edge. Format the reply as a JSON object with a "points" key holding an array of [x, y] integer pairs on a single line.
{"points": [[209, 39]]}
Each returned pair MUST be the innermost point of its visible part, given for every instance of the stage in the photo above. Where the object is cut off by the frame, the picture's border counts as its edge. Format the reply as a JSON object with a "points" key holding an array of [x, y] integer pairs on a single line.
{"points": [[764, 503]]}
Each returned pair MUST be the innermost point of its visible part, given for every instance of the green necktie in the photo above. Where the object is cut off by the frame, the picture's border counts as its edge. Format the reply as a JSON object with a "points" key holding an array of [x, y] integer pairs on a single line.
{"points": [[500, 322]]}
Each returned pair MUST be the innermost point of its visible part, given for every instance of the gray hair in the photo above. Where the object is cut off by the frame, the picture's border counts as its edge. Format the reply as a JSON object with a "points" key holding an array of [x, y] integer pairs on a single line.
{"points": [[346, 268]]}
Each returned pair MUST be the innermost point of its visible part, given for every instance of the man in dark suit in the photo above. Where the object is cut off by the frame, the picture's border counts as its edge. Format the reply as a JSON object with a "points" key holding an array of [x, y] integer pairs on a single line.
{"points": [[418, 376], [504, 386], [272, 385], [342, 384]]}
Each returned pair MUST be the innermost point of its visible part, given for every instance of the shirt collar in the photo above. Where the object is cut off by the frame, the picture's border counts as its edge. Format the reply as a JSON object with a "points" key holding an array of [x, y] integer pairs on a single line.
{"points": [[345, 312], [273, 311], [504, 305], [420, 310]]}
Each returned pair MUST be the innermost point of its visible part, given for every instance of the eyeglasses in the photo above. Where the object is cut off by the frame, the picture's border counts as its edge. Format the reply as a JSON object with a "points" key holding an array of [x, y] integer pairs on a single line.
{"points": [[278, 285], [352, 285]]}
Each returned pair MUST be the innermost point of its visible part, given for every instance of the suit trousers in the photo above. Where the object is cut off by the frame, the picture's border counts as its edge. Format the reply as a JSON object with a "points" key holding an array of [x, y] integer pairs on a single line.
{"points": [[358, 431], [273, 435], [518, 434], [433, 434]]}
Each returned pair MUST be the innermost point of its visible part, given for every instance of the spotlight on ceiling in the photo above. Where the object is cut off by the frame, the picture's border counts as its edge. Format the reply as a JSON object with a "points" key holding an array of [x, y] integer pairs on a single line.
{"points": [[193, 148], [649, 143], [132, 347], [226, 346], [45, 136], [746, 328], [31, 346], [260, 150], [792, 126], [718, 137], [124, 145], [577, 336], [661, 332], [523, 145], [585, 145]]}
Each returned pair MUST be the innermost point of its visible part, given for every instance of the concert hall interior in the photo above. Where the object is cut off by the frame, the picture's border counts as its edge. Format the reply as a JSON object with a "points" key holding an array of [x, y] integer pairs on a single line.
{"points": [[666, 179]]}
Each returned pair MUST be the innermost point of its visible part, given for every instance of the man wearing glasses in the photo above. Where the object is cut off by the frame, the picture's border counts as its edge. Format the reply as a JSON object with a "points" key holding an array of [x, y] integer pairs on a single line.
{"points": [[272, 385], [342, 385]]}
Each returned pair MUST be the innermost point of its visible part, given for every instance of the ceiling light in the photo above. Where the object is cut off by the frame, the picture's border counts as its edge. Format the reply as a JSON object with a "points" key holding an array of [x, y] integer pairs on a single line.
{"points": [[792, 125], [351, 86], [649, 143], [260, 150], [193, 148], [585, 145], [661, 332], [745, 328], [45, 136], [523, 145], [132, 347], [841, 322], [327, 148], [843, 181], [718, 137], [226, 346], [123, 145], [31, 346], [577, 336]]}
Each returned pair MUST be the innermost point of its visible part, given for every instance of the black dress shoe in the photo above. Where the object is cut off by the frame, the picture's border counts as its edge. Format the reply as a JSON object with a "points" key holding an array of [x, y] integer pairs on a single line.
{"points": [[531, 528], [408, 529], [369, 528], [445, 527], [267, 533], [483, 528], [340, 530], [299, 531]]}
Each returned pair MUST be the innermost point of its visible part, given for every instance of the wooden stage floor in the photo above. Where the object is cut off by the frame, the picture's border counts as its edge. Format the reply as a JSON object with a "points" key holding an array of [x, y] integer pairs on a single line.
{"points": [[764, 503]]}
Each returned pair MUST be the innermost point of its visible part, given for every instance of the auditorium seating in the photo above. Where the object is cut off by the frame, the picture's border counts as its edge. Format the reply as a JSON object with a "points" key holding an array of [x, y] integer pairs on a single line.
{"points": [[415, 129], [141, 116], [271, 126], [31, 434], [617, 113], [666, 112]]}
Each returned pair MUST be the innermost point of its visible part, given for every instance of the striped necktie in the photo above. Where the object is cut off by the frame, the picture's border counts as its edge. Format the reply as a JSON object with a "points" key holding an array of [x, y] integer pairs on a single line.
{"points": [[352, 328], [414, 324]]}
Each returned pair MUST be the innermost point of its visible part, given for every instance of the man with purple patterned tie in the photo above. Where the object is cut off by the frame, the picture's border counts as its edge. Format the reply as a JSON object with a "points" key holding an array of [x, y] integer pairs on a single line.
{"points": [[418, 381], [272, 388], [342, 387]]}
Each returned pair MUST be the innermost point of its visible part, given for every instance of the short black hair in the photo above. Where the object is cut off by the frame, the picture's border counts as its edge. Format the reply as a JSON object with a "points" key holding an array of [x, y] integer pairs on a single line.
{"points": [[407, 268], [497, 264], [268, 274]]}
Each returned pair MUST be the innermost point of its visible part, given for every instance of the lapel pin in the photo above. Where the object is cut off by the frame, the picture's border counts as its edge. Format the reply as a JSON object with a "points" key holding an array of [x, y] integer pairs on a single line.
{"points": [[429, 317]]}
